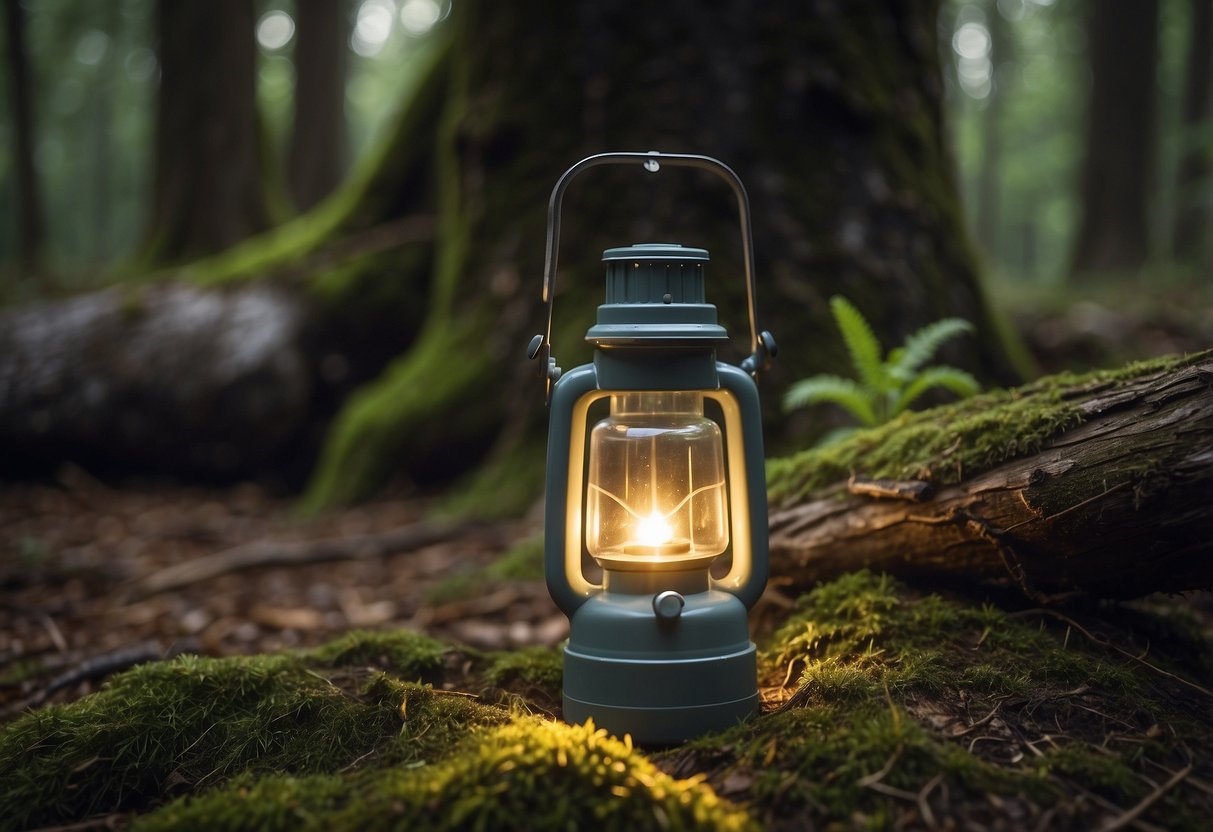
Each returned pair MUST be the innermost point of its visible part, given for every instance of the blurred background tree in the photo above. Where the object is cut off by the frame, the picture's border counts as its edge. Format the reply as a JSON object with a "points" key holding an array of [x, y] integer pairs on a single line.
{"points": [[1018, 72], [314, 91]]}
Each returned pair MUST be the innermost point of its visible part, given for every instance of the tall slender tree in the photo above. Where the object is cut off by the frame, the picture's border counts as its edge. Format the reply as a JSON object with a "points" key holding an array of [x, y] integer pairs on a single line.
{"points": [[989, 180], [315, 162], [1122, 39], [1196, 165], [31, 231], [209, 189]]}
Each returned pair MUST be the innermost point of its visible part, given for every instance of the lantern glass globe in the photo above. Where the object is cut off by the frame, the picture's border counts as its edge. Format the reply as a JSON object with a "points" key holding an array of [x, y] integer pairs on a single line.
{"points": [[656, 495]]}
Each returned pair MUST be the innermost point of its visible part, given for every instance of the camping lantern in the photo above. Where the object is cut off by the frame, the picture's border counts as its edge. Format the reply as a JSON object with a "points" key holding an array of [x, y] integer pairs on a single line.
{"points": [[665, 493]]}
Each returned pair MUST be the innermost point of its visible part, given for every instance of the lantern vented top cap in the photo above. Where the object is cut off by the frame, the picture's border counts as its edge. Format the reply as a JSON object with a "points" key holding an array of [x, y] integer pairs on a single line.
{"points": [[661, 273], [653, 252]]}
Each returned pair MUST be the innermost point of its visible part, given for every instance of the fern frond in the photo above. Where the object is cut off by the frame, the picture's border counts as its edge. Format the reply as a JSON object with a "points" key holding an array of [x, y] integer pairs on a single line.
{"points": [[958, 381], [861, 343], [922, 345], [840, 391]]}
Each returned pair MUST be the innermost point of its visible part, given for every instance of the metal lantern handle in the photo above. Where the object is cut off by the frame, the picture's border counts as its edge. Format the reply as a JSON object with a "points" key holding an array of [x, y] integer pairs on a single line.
{"points": [[762, 345]]}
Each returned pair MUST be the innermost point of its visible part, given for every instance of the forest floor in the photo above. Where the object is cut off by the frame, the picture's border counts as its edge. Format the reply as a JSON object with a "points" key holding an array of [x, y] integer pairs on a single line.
{"points": [[888, 706], [77, 550]]}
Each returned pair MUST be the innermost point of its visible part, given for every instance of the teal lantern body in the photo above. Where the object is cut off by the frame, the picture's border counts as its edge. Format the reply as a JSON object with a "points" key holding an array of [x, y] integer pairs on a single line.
{"points": [[663, 497]]}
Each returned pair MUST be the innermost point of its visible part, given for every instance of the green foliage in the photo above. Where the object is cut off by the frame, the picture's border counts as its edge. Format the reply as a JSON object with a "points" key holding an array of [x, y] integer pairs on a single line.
{"points": [[886, 386]]}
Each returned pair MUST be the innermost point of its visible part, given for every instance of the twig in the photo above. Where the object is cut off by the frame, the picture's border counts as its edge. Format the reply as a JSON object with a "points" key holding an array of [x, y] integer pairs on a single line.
{"points": [[924, 806], [915, 491], [893, 791], [111, 821], [876, 776], [274, 553], [52, 630], [1099, 800], [1105, 643], [1146, 802], [1053, 517], [97, 667], [981, 721], [1199, 785]]}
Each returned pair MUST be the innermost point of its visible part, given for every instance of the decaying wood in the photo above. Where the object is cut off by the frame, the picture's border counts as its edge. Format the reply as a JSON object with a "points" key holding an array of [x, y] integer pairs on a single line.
{"points": [[167, 377], [1121, 505]]}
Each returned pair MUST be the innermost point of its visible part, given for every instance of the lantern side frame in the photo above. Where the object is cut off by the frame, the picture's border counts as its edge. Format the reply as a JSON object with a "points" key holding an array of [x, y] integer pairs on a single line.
{"points": [[564, 526]]}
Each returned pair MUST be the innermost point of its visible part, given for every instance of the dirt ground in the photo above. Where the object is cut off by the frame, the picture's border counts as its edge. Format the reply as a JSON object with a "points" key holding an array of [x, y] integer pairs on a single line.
{"points": [[74, 551]]}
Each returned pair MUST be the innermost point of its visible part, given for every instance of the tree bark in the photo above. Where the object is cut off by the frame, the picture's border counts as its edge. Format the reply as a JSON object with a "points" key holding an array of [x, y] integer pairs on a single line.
{"points": [[31, 231], [1114, 232], [831, 114], [1120, 505], [209, 190], [315, 161]]}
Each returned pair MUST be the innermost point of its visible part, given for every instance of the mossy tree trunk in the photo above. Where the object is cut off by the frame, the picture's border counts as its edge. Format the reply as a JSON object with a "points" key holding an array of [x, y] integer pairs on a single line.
{"points": [[832, 115]]}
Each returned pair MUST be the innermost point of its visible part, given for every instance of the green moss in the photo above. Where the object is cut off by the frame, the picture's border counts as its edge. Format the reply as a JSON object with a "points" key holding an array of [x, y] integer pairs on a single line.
{"points": [[406, 654], [430, 391], [945, 444], [504, 486], [524, 562], [525, 775], [821, 763], [193, 722], [894, 690], [268, 804], [863, 633], [532, 668]]}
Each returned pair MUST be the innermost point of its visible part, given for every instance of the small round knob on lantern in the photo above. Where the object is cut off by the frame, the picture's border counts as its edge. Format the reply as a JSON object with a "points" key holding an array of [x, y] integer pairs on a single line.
{"points": [[668, 605]]}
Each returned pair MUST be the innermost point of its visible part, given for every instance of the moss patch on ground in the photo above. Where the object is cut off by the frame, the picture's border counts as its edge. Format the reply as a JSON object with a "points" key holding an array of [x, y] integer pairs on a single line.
{"points": [[944, 444], [884, 706], [901, 707], [524, 562]]}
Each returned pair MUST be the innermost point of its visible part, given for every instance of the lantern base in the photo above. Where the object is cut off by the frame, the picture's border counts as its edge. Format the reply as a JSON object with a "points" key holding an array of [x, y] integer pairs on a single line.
{"points": [[661, 680]]}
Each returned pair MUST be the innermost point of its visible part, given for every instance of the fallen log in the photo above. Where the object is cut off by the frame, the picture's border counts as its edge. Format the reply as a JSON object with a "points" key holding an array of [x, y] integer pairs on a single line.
{"points": [[1107, 490]]}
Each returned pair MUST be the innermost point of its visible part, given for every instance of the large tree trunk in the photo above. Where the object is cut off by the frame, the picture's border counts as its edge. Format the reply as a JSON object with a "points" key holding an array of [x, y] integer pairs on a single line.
{"points": [[831, 114], [1122, 41], [209, 190], [1119, 504]]}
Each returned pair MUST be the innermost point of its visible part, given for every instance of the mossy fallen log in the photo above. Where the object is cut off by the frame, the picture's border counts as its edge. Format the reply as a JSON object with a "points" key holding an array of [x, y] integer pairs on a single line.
{"points": [[883, 707], [1101, 483]]}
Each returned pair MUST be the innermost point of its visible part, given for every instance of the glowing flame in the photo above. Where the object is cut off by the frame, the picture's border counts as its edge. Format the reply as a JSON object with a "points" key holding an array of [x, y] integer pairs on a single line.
{"points": [[654, 530]]}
